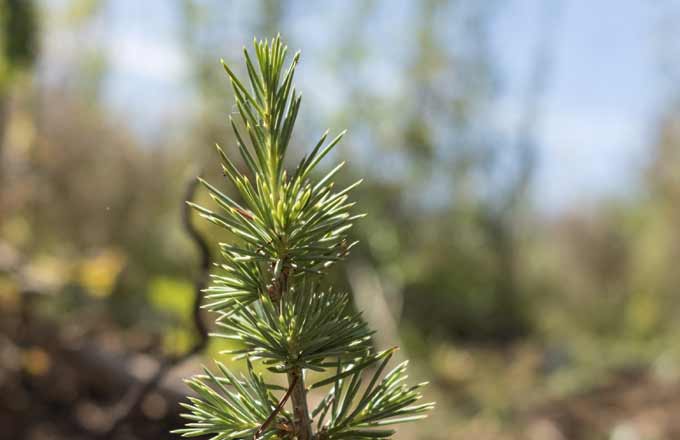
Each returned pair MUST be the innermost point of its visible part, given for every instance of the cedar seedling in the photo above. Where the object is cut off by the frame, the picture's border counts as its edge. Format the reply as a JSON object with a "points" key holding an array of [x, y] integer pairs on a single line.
{"points": [[269, 295]]}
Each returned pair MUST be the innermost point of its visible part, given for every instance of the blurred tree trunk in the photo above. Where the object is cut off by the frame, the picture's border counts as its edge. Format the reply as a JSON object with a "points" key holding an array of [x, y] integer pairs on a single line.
{"points": [[503, 222], [4, 117], [377, 300], [18, 36]]}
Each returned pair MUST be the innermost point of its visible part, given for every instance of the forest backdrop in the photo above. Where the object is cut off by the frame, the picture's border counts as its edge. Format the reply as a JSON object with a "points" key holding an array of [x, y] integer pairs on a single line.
{"points": [[522, 235]]}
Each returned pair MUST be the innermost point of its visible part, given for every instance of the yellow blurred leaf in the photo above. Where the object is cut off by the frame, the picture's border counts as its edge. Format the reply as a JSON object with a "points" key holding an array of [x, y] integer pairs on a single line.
{"points": [[20, 133], [9, 292], [36, 361], [98, 274]]}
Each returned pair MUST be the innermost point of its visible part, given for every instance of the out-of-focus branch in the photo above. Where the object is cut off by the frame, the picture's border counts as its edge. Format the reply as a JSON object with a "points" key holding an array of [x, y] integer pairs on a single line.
{"points": [[4, 116], [204, 268], [531, 113], [501, 221], [131, 403]]}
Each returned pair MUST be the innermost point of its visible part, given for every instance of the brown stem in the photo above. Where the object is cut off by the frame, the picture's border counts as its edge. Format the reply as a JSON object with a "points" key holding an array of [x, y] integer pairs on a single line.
{"points": [[277, 410], [303, 423]]}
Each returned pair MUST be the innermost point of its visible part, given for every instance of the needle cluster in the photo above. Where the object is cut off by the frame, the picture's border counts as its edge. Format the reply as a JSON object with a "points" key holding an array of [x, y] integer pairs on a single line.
{"points": [[269, 296]]}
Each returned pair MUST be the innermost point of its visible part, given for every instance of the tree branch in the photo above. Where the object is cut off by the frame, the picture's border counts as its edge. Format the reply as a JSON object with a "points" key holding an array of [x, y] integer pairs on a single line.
{"points": [[134, 398], [278, 409]]}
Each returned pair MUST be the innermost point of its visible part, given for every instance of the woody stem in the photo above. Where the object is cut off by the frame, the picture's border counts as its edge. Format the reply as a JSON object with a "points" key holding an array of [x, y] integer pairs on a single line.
{"points": [[303, 423]]}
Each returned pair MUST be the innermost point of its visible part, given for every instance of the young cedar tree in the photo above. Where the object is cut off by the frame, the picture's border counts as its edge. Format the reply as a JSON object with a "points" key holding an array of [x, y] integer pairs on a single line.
{"points": [[269, 295]]}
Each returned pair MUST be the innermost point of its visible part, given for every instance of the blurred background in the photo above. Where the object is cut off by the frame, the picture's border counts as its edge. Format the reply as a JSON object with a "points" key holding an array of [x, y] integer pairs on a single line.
{"points": [[522, 180]]}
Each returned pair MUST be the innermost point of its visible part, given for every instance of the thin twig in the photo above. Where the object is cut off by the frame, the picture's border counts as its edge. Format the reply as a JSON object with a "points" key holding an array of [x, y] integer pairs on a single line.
{"points": [[135, 397], [278, 409]]}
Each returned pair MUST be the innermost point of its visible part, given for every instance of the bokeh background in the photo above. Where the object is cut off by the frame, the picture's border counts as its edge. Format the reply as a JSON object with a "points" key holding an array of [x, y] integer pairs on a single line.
{"points": [[522, 180]]}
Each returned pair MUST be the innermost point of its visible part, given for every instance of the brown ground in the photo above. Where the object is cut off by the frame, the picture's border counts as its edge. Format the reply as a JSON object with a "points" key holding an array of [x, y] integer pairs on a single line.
{"points": [[55, 384]]}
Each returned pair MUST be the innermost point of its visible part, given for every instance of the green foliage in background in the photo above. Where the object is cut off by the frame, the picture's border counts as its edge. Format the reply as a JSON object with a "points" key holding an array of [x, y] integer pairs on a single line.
{"points": [[18, 36], [289, 228]]}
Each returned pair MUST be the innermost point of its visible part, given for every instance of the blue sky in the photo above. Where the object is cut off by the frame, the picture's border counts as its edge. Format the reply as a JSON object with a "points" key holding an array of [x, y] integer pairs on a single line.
{"points": [[603, 97], [604, 93]]}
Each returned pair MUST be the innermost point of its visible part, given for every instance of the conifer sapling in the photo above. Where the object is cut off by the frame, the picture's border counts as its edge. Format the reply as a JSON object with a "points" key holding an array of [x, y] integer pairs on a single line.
{"points": [[269, 295]]}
